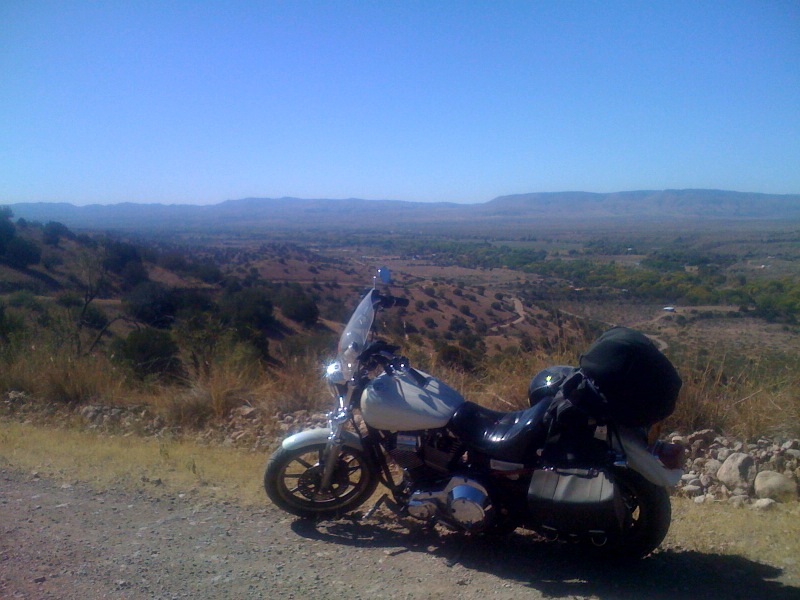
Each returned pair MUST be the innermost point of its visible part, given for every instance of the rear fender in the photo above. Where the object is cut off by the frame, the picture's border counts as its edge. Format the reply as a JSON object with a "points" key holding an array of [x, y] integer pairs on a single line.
{"points": [[644, 463]]}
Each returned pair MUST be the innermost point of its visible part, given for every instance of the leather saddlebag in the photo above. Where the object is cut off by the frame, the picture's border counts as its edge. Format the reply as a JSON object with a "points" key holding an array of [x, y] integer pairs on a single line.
{"points": [[572, 500]]}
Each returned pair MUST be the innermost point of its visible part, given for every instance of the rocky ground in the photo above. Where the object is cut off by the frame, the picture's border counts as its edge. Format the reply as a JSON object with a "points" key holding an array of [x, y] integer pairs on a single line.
{"points": [[759, 474], [63, 541], [69, 540]]}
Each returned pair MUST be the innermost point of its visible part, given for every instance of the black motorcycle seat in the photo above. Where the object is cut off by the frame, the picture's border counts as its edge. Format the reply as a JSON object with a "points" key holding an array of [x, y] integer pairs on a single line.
{"points": [[508, 436]]}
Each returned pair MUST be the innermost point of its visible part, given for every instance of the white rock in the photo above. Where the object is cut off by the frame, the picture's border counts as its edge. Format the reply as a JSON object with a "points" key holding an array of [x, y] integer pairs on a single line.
{"points": [[738, 501], [692, 490], [770, 484], [738, 472], [712, 466], [764, 504]]}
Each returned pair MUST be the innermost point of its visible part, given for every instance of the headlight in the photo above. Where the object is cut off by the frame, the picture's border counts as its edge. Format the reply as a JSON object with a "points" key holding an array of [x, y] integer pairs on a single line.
{"points": [[335, 378], [333, 372]]}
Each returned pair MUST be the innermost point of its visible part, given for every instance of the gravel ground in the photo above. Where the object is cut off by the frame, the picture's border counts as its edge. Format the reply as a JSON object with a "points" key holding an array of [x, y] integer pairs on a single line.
{"points": [[72, 541]]}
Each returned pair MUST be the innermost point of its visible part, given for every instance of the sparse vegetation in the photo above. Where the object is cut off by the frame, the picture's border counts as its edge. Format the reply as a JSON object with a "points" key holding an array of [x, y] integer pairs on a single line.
{"points": [[249, 323]]}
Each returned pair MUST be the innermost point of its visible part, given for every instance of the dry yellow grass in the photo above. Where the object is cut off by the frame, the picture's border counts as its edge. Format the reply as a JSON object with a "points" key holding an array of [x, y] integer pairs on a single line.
{"points": [[771, 537], [132, 461]]}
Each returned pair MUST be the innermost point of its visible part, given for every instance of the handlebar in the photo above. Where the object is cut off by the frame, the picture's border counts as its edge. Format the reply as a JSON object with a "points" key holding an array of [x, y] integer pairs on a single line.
{"points": [[387, 301], [379, 353]]}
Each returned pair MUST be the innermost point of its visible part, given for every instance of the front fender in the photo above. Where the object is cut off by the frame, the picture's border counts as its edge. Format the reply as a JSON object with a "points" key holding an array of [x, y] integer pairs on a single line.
{"points": [[311, 437]]}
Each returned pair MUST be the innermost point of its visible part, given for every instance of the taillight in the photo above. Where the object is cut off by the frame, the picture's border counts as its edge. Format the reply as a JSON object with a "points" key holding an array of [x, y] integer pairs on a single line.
{"points": [[671, 455]]}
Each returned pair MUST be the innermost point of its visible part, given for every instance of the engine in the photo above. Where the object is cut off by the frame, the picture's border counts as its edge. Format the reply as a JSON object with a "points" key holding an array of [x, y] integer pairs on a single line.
{"points": [[429, 460], [426, 454], [460, 502]]}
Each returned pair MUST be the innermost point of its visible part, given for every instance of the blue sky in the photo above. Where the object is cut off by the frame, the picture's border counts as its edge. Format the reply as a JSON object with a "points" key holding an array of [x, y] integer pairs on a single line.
{"points": [[200, 102]]}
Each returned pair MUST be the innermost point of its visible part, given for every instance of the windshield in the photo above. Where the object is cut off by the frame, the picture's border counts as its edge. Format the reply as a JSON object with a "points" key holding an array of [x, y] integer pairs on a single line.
{"points": [[355, 335]]}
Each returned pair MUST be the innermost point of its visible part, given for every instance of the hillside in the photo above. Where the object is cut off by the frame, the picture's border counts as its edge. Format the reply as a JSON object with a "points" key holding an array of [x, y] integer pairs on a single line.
{"points": [[666, 204], [534, 211]]}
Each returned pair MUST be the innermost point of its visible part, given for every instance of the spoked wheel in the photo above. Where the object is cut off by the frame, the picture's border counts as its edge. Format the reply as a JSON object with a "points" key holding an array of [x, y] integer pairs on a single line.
{"points": [[293, 481], [647, 519]]}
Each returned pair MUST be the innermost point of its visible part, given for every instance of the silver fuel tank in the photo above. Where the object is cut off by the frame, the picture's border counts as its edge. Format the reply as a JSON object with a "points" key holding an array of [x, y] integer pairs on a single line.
{"points": [[398, 403]]}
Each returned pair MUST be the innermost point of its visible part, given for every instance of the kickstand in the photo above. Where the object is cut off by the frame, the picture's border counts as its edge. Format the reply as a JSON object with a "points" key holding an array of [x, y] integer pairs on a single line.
{"points": [[382, 501]]}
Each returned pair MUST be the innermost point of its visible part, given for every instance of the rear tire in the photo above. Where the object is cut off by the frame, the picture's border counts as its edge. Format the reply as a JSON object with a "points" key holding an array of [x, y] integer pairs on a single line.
{"points": [[292, 481], [647, 520]]}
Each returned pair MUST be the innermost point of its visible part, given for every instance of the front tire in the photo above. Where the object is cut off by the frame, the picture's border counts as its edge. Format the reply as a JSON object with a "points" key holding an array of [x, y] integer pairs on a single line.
{"points": [[647, 519], [292, 481]]}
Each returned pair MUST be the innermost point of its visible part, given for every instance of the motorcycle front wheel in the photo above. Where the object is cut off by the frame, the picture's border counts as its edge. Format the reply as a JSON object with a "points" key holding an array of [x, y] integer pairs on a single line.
{"points": [[293, 481]]}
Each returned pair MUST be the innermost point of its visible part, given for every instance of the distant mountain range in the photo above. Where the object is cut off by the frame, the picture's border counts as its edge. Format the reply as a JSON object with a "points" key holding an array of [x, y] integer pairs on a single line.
{"points": [[264, 214]]}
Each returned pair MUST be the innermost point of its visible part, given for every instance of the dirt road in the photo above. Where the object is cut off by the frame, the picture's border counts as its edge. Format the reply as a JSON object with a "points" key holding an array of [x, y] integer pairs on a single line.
{"points": [[72, 541]]}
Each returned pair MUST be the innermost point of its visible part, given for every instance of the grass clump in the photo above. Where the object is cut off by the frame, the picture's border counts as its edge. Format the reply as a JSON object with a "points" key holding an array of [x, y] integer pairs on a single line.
{"points": [[63, 378], [744, 399]]}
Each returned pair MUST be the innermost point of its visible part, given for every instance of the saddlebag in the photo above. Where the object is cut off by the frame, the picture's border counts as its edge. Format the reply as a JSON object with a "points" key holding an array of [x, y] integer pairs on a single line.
{"points": [[575, 501]]}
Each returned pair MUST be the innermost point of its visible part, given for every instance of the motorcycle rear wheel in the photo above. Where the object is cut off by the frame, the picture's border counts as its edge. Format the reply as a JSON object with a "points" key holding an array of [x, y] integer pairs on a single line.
{"points": [[293, 477], [649, 514]]}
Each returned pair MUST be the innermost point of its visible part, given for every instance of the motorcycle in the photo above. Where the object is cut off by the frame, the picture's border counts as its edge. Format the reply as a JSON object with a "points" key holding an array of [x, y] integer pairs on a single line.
{"points": [[553, 468]]}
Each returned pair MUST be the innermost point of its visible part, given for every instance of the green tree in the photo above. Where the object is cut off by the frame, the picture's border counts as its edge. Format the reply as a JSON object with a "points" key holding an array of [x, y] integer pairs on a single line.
{"points": [[119, 254], [7, 229], [21, 253], [54, 231], [249, 312]]}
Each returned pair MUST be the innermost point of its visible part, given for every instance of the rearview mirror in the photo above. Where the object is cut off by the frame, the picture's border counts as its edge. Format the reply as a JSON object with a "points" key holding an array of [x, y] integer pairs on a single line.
{"points": [[385, 275]]}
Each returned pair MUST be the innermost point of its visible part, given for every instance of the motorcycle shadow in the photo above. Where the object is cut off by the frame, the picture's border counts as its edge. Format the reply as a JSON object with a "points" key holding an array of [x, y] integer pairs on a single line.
{"points": [[563, 570]]}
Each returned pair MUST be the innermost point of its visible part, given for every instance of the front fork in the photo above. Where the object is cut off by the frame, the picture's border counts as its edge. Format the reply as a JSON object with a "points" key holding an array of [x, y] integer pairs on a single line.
{"points": [[336, 422]]}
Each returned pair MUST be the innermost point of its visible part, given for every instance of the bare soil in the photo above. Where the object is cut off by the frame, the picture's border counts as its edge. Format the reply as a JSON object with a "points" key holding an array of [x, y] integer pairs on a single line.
{"points": [[70, 540]]}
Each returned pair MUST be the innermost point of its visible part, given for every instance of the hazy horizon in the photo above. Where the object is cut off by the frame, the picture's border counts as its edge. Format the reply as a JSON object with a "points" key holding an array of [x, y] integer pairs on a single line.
{"points": [[215, 203]]}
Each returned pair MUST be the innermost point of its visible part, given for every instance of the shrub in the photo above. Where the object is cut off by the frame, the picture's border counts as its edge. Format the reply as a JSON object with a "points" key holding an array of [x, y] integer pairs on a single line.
{"points": [[25, 299], [133, 274], [298, 306], [10, 325], [150, 353], [94, 317], [456, 357], [69, 300], [151, 303]]}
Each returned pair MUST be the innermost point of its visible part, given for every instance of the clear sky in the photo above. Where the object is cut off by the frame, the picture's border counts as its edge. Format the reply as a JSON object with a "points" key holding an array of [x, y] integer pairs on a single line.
{"points": [[462, 101]]}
